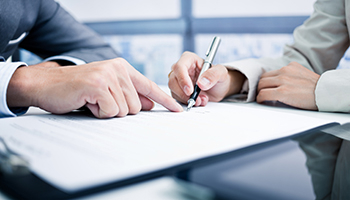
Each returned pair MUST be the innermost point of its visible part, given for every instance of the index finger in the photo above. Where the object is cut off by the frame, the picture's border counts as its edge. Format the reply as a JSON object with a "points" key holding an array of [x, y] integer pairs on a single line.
{"points": [[150, 90]]}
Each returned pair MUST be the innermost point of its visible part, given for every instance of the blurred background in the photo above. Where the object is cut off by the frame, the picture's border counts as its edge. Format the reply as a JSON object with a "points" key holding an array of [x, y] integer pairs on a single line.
{"points": [[152, 34]]}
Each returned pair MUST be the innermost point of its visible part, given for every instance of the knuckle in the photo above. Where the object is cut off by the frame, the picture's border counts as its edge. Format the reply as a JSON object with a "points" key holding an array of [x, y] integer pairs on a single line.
{"points": [[182, 82], [188, 53], [262, 94], [223, 69], [293, 63], [152, 86], [149, 87], [120, 64], [97, 81], [119, 60], [285, 69], [265, 95], [173, 67]]}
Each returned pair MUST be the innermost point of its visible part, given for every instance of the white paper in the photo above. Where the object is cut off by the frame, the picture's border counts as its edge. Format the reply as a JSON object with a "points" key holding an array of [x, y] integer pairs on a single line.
{"points": [[74, 152]]}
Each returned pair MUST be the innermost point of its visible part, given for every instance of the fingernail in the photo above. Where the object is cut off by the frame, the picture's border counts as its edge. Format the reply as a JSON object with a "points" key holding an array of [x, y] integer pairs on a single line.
{"points": [[187, 90], [181, 108], [204, 81]]}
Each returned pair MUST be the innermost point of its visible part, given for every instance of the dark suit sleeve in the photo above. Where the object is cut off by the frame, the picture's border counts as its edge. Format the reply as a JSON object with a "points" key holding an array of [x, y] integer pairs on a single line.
{"points": [[56, 32]]}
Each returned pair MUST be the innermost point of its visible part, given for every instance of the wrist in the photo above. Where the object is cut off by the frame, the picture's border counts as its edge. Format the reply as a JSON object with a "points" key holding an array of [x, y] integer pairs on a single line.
{"points": [[47, 64], [16, 90], [236, 82], [25, 85], [21, 89]]}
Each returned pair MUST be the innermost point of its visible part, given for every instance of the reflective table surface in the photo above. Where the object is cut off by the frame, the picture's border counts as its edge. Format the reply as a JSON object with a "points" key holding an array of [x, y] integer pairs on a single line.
{"points": [[309, 166]]}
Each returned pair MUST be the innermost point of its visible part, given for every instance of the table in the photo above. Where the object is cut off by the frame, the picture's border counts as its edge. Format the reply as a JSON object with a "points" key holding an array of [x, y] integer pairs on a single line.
{"points": [[238, 175]]}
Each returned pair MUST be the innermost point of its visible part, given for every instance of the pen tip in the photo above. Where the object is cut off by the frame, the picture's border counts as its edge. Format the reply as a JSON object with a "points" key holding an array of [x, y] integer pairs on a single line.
{"points": [[191, 103]]}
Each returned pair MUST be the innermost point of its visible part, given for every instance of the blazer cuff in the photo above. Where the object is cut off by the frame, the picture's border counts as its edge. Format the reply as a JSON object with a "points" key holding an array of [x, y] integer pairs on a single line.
{"points": [[6, 72], [252, 69], [333, 91]]}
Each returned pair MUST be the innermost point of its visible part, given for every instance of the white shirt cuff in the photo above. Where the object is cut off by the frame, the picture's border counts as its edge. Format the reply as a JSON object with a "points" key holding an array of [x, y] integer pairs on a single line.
{"points": [[76, 61], [6, 72]]}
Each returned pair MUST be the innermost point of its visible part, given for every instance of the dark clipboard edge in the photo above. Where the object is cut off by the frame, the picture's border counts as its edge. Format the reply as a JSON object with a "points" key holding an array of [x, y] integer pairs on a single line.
{"points": [[32, 187]]}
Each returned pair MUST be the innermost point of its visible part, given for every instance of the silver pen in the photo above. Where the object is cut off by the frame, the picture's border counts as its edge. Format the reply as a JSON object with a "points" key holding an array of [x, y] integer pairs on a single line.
{"points": [[207, 64]]}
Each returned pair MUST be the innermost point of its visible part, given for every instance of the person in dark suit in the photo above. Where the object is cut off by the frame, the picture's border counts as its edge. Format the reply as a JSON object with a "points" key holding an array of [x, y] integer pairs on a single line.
{"points": [[93, 75]]}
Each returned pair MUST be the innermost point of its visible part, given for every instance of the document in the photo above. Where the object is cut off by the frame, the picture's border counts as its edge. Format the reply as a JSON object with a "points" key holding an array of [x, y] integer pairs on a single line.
{"points": [[74, 151]]}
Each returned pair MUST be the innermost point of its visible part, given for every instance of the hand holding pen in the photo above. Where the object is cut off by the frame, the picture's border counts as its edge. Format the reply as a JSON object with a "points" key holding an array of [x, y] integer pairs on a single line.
{"points": [[213, 48], [215, 83]]}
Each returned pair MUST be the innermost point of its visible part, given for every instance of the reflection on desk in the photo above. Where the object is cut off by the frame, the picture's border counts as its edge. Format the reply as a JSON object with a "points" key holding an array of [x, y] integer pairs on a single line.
{"points": [[310, 166], [165, 188]]}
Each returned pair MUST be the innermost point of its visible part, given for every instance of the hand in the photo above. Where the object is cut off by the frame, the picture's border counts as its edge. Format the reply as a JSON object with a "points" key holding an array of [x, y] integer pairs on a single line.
{"points": [[216, 83], [293, 85], [108, 88]]}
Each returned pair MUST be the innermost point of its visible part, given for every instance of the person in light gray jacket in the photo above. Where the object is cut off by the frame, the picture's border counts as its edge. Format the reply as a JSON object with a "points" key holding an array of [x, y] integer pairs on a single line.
{"points": [[93, 75], [304, 77]]}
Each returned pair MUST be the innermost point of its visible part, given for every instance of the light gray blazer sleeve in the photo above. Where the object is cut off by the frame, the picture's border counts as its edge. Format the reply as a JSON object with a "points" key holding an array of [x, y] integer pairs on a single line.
{"points": [[319, 44]]}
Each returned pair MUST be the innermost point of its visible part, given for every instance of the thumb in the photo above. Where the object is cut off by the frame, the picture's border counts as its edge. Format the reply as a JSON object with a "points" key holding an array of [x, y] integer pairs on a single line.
{"points": [[212, 76], [146, 103]]}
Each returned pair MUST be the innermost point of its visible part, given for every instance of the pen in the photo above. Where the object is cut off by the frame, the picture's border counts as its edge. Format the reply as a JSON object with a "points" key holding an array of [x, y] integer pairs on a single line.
{"points": [[207, 64]]}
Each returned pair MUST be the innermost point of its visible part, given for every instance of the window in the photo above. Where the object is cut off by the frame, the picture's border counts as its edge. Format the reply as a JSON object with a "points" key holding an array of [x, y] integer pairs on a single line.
{"points": [[152, 34]]}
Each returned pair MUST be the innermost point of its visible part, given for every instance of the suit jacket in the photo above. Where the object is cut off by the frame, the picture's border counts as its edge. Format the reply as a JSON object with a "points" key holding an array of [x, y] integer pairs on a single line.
{"points": [[44, 28], [319, 44]]}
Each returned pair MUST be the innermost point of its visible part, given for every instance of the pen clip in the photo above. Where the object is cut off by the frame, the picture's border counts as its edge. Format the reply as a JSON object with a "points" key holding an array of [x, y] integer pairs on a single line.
{"points": [[211, 46]]}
